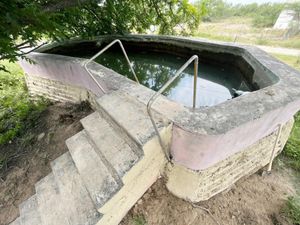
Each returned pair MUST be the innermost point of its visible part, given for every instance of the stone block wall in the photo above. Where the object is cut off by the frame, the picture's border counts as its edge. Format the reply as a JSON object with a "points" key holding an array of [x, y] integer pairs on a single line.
{"points": [[57, 91], [201, 185]]}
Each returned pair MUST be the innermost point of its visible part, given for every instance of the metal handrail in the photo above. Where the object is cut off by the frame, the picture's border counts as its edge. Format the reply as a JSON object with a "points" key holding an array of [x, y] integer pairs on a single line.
{"points": [[194, 58], [102, 51], [279, 130]]}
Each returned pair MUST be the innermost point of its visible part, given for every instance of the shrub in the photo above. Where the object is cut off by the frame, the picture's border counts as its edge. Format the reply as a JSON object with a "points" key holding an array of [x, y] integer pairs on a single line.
{"points": [[292, 147], [17, 111]]}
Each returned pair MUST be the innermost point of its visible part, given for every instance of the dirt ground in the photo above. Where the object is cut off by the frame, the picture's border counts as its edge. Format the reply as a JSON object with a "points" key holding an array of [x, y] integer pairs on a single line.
{"points": [[256, 200], [33, 154], [251, 201]]}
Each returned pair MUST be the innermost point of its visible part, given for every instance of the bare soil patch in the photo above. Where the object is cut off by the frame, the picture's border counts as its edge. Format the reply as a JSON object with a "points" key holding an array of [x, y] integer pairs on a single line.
{"points": [[33, 152], [256, 200]]}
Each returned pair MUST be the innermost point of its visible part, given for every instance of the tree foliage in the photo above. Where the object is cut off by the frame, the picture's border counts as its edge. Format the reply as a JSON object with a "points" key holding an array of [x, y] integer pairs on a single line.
{"points": [[23, 23]]}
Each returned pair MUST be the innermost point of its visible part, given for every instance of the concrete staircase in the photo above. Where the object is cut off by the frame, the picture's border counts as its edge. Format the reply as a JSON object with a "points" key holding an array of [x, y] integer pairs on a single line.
{"points": [[110, 164]]}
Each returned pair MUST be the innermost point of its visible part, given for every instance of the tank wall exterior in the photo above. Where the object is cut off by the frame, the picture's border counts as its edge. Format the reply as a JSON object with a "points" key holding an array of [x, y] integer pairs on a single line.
{"points": [[66, 70], [57, 91], [201, 185], [200, 151]]}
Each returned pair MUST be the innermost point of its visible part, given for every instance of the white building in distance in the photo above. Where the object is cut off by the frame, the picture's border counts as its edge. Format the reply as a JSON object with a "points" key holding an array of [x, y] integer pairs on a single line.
{"points": [[284, 20]]}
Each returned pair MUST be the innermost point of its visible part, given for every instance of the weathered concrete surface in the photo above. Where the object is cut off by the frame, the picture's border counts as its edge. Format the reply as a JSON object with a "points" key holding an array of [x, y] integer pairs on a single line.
{"points": [[50, 206], [130, 114], [80, 207], [110, 144], [97, 177], [29, 213], [16, 222]]}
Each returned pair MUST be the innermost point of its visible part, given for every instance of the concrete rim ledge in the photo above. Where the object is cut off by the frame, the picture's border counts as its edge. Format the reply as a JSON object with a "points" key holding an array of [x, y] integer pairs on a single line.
{"points": [[211, 181], [234, 125], [285, 89]]}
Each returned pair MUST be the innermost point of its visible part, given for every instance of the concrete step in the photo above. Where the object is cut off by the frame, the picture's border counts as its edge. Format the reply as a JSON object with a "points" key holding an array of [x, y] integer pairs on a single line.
{"points": [[76, 201], [50, 203], [29, 213], [16, 222], [111, 144], [97, 177], [130, 114]]}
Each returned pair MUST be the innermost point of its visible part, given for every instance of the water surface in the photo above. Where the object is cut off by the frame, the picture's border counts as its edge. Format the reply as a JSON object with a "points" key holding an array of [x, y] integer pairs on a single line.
{"points": [[214, 84]]}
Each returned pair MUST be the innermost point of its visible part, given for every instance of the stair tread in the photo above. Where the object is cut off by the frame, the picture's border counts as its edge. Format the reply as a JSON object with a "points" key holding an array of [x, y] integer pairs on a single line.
{"points": [[78, 205], [97, 178], [131, 114], [49, 201], [16, 222], [29, 213], [111, 144]]}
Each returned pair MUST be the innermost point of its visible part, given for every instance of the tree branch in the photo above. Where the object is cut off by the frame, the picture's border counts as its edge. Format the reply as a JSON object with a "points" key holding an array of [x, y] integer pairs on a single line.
{"points": [[22, 53], [58, 5]]}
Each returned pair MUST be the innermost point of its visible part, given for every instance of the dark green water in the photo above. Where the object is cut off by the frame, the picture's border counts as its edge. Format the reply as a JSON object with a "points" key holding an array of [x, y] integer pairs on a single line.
{"points": [[153, 69]]}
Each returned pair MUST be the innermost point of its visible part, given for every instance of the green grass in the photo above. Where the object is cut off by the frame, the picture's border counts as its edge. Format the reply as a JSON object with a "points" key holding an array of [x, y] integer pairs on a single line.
{"points": [[292, 210], [242, 28], [215, 37], [17, 111], [292, 147], [139, 220], [293, 61], [291, 155]]}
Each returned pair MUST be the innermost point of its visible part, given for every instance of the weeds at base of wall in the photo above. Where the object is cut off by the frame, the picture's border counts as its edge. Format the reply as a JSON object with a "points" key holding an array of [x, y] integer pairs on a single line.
{"points": [[139, 220], [17, 111], [291, 156], [292, 147]]}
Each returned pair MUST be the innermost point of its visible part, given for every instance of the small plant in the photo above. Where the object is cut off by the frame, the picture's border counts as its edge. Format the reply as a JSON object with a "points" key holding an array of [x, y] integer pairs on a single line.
{"points": [[139, 220], [292, 210]]}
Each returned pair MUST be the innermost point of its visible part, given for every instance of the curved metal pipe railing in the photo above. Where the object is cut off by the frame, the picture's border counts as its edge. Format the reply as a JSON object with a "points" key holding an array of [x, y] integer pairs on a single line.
{"points": [[102, 51], [276, 143], [194, 59]]}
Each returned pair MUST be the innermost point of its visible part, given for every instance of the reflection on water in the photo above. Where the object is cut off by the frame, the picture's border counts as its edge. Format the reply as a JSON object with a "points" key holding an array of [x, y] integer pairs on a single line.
{"points": [[214, 84]]}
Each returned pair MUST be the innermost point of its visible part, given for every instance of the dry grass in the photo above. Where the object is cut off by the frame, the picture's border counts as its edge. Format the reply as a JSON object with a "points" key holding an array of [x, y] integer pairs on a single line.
{"points": [[241, 30]]}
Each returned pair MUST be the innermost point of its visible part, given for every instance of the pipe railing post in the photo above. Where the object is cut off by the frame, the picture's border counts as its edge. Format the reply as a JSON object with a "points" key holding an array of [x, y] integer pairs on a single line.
{"points": [[102, 51], [194, 58], [196, 62], [279, 129]]}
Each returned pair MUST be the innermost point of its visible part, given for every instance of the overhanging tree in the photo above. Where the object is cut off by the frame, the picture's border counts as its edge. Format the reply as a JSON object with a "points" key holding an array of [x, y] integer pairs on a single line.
{"points": [[23, 23]]}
